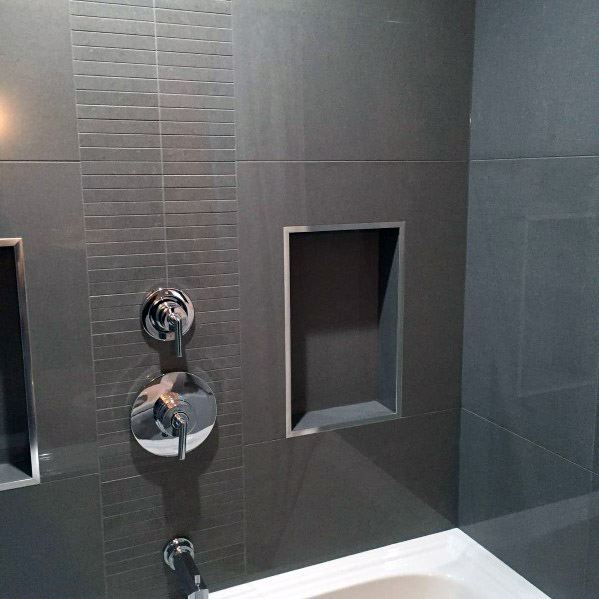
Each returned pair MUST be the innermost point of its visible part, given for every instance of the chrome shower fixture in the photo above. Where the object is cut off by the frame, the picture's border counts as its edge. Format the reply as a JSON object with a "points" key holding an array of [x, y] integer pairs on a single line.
{"points": [[167, 314]]}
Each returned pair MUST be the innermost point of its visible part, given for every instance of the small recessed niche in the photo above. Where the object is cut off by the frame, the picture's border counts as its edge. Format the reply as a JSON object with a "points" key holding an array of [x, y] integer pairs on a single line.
{"points": [[343, 320], [19, 464]]}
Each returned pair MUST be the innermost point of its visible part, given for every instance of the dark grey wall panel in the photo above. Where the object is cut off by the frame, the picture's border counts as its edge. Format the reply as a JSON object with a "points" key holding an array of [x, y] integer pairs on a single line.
{"points": [[350, 490], [530, 344], [51, 541], [526, 505], [430, 197], [42, 203], [37, 104], [535, 85], [352, 81]]}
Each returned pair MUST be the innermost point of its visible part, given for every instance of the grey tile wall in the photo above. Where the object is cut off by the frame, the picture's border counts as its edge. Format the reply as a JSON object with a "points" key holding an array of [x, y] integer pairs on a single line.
{"points": [[51, 541], [37, 103], [536, 90], [154, 83], [351, 112], [340, 80], [530, 360], [531, 354], [40, 201], [525, 504], [350, 490]]}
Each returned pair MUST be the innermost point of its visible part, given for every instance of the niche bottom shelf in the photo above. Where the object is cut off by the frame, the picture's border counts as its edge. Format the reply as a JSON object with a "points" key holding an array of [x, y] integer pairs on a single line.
{"points": [[340, 417]]}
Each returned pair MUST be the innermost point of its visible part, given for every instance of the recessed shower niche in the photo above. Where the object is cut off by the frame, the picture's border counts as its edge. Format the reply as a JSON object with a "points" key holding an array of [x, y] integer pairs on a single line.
{"points": [[18, 447], [343, 321]]}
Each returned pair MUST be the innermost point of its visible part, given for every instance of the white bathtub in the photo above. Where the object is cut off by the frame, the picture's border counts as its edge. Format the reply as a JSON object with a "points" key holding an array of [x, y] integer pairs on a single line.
{"points": [[446, 565]]}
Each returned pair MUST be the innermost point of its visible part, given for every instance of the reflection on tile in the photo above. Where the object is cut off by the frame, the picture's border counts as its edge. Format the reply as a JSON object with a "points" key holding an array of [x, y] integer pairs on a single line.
{"points": [[42, 204], [359, 80], [592, 577], [44, 552], [37, 99], [429, 197], [559, 344], [527, 506], [536, 90], [350, 490], [530, 346]]}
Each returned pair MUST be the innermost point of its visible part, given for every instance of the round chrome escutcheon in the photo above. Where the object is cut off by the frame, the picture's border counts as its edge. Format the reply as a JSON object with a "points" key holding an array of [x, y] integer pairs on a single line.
{"points": [[196, 401]]}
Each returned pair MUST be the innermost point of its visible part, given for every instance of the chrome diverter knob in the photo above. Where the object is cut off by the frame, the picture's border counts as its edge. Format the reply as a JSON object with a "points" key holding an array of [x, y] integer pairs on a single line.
{"points": [[167, 314], [173, 414]]}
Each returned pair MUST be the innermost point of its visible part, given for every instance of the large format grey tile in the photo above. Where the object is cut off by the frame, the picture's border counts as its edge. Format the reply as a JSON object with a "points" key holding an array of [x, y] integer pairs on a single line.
{"points": [[346, 491], [52, 541], [352, 80], [530, 344], [535, 84], [526, 505], [429, 197], [42, 204], [37, 104]]}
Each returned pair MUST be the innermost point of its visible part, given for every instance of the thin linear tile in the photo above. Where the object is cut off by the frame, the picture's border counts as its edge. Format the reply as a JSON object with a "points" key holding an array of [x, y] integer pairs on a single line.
{"points": [[121, 55], [165, 44], [104, 153], [105, 167], [215, 6], [107, 25], [117, 126], [114, 11], [113, 40], [211, 61]]}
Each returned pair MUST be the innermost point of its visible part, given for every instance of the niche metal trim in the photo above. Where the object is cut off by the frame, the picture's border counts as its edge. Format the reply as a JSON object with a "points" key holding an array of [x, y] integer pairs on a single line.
{"points": [[287, 232], [25, 480]]}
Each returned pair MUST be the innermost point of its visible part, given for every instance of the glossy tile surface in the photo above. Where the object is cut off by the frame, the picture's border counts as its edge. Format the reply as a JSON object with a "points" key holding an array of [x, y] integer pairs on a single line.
{"points": [[429, 197], [43, 551], [42, 204], [345, 491], [530, 346], [592, 575], [37, 99], [370, 80], [526, 505], [535, 84]]}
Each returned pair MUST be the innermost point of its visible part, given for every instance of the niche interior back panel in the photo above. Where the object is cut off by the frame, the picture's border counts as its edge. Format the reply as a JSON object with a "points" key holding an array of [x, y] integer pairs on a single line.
{"points": [[154, 82]]}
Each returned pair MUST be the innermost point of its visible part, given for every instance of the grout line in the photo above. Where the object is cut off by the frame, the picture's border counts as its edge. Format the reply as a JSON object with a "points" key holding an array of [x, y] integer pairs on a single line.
{"points": [[516, 158], [530, 441], [73, 161], [376, 161]]}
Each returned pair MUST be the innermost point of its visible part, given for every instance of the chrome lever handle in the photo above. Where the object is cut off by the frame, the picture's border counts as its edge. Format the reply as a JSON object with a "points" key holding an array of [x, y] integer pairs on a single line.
{"points": [[176, 326], [180, 424]]}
